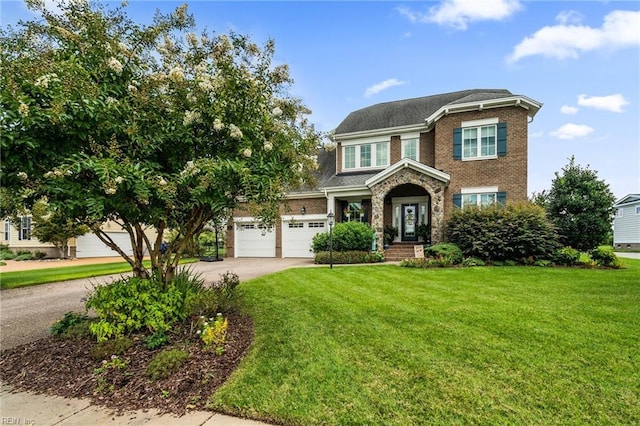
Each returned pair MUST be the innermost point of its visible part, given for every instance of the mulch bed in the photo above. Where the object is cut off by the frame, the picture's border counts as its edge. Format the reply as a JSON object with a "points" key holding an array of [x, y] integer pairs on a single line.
{"points": [[65, 368]]}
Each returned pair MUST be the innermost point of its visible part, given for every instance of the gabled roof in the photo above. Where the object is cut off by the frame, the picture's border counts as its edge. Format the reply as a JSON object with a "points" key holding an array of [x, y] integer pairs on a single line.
{"points": [[411, 164], [424, 111], [627, 199]]}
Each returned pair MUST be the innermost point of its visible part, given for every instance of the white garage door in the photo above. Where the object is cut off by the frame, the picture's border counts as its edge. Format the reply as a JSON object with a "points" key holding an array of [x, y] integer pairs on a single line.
{"points": [[254, 240], [297, 236], [89, 245]]}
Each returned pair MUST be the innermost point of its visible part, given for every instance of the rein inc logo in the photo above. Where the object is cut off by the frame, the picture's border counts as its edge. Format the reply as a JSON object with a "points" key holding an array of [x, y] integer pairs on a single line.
{"points": [[17, 421]]}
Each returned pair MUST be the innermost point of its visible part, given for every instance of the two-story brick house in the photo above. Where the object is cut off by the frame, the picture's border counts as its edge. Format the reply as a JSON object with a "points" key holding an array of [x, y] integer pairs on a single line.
{"points": [[405, 163]]}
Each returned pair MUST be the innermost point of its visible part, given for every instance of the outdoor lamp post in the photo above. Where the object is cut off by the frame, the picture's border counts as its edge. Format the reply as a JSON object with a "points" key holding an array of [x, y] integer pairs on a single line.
{"points": [[330, 220]]}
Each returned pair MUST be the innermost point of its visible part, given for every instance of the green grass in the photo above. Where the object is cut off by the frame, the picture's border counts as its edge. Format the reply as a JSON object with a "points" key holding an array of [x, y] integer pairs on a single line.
{"points": [[396, 346], [49, 275]]}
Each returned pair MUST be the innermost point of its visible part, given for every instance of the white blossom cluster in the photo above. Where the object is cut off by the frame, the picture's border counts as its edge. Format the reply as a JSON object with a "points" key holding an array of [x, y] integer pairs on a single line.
{"points": [[22, 176], [190, 117], [235, 132], [267, 146], [247, 152], [57, 173], [217, 124], [43, 81], [176, 74], [115, 65], [190, 169], [23, 109]]}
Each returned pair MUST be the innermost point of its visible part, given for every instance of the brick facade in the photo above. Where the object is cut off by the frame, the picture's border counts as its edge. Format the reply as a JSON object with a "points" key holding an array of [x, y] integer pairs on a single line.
{"points": [[509, 173]]}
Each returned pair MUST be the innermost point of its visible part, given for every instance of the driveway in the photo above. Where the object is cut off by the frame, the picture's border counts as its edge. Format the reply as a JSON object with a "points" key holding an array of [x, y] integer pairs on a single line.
{"points": [[27, 313]]}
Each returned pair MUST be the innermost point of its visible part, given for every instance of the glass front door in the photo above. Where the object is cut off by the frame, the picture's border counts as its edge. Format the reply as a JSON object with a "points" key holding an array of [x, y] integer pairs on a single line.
{"points": [[409, 222]]}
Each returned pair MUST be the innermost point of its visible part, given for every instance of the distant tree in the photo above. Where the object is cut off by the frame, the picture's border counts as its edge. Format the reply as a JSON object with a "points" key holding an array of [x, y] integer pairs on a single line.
{"points": [[52, 226], [147, 126], [580, 206]]}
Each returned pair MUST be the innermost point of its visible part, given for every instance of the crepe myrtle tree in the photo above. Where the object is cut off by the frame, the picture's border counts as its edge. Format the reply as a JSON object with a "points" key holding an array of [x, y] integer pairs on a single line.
{"points": [[148, 126]]}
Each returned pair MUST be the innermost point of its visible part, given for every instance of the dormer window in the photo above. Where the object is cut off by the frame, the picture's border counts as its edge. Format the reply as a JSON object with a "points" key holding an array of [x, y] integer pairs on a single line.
{"points": [[365, 156]]}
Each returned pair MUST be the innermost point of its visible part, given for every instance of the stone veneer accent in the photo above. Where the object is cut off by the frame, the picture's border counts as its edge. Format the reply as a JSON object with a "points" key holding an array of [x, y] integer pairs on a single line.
{"points": [[434, 187]]}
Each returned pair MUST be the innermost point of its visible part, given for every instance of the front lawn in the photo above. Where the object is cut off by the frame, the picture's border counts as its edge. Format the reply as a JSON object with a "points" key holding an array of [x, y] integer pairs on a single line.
{"points": [[65, 273], [389, 345]]}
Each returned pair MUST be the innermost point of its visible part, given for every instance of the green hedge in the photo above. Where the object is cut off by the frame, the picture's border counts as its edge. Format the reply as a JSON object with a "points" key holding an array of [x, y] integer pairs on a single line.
{"points": [[349, 257]]}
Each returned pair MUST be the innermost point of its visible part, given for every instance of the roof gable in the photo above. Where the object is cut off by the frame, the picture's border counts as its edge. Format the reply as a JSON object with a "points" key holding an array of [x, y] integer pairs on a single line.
{"points": [[627, 199], [423, 111], [411, 164]]}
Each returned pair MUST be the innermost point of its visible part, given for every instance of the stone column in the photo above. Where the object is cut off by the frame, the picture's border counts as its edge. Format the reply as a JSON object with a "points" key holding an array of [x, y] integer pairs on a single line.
{"points": [[377, 216]]}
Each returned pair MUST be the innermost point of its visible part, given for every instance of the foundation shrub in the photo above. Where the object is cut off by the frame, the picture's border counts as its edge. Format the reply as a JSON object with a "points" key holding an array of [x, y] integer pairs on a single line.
{"points": [[349, 257], [347, 236], [499, 233], [448, 252]]}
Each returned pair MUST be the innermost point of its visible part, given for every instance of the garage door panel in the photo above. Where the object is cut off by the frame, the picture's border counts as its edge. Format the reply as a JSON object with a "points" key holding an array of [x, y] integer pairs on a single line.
{"points": [[297, 237], [89, 245], [250, 241]]}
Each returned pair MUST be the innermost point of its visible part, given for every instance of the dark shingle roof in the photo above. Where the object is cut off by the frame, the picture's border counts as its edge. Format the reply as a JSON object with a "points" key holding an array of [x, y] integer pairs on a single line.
{"points": [[411, 111]]}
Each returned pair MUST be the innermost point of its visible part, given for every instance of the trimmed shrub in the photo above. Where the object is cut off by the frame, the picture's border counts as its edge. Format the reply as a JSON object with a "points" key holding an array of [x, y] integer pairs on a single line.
{"points": [[473, 261], [427, 262], [349, 257], [448, 251], [566, 256], [7, 255], [604, 257], [166, 363], [493, 233], [109, 348], [347, 236], [24, 256]]}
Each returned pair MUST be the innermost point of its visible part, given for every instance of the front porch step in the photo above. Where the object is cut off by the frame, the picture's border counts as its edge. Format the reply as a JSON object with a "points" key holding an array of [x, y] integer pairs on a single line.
{"points": [[400, 251]]}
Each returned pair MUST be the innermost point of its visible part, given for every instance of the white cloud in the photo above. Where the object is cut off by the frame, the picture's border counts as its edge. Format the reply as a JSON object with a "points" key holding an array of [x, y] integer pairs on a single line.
{"points": [[612, 103], [566, 109], [572, 131], [569, 17], [384, 85], [619, 30], [536, 135], [459, 13]]}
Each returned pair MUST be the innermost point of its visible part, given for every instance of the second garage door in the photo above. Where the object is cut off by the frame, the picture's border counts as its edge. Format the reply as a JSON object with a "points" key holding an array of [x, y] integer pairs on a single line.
{"points": [[297, 236]]}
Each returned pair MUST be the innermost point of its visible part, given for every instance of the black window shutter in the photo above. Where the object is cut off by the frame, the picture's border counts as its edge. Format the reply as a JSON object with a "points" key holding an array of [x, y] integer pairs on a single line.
{"points": [[502, 139], [457, 200], [457, 143]]}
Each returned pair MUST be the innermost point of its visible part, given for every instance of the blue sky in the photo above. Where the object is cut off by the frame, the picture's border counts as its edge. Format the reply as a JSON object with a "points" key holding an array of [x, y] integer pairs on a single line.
{"points": [[581, 59]]}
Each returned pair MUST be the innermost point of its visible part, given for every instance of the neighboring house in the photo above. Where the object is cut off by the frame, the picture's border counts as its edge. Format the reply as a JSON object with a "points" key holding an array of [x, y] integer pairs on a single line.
{"points": [[18, 237], [626, 223], [402, 164]]}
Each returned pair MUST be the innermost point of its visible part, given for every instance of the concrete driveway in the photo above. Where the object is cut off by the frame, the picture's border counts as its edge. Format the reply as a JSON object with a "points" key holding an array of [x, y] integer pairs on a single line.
{"points": [[27, 313]]}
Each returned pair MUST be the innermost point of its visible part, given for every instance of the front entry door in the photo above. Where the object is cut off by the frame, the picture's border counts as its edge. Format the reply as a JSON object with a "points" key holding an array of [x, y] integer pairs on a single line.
{"points": [[409, 222]]}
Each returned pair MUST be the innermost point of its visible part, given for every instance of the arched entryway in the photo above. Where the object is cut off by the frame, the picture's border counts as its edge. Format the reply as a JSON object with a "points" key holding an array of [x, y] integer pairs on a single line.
{"points": [[406, 185]]}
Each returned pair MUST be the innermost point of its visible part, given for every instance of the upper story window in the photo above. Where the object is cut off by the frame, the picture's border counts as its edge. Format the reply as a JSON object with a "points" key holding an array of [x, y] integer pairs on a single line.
{"points": [[366, 155], [410, 149], [24, 233], [480, 139], [620, 212], [638, 210]]}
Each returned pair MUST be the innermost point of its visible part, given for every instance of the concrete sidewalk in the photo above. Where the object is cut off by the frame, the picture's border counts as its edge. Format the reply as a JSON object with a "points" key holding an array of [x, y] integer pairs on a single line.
{"points": [[22, 408], [51, 301]]}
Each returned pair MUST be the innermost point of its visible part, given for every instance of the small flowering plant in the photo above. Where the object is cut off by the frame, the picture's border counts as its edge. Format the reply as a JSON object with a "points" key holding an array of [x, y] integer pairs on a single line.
{"points": [[213, 332]]}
